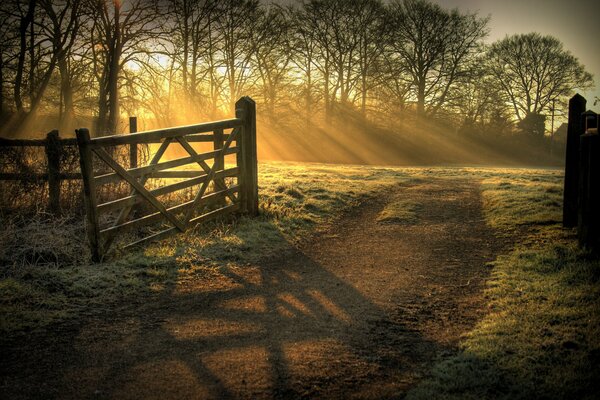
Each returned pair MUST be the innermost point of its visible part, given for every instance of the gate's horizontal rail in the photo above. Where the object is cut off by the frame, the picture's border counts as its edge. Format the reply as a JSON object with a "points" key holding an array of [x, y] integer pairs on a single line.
{"points": [[136, 199], [203, 218], [202, 138], [157, 135], [149, 169], [207, 200]]}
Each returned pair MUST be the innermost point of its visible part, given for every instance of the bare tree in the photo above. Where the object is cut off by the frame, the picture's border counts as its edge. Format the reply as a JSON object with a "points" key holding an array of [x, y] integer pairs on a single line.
{"points": [[62, 31], [33, 61], [119, 34], [370, 25], [533, 70], [434, 46], [271, 43], [304, 49], [195, 49], [234, 27]]}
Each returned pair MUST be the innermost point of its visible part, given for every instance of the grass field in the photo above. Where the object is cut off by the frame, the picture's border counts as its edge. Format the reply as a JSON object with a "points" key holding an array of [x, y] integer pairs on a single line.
{"points": [[539, 339]]}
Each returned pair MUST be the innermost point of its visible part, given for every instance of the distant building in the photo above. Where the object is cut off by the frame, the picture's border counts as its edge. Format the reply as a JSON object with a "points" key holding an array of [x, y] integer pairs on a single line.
{"points": [[560, 134]]}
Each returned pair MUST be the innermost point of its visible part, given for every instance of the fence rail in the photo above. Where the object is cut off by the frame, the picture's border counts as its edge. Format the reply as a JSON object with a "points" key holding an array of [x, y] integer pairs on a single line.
{"points": [[54, 146], [224, 198]]}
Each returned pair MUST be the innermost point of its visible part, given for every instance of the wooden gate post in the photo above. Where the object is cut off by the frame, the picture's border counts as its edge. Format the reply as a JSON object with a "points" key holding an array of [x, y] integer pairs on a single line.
{"points": [[53, 153], [245, 108], [89, 189], [574, 130], [133, 147], [588, 227], [219, 165]]}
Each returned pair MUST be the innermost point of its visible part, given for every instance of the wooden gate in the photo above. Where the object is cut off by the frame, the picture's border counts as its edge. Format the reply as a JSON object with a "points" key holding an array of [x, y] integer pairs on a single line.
{"points": [[234, 188]]}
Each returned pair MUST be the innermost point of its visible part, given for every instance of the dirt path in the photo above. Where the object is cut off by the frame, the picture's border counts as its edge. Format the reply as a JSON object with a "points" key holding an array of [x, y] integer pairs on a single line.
{"points": [[361, 311]]}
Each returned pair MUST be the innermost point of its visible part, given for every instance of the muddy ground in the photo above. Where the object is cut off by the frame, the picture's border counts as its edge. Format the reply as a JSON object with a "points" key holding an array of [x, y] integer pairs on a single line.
{"points": [[362, 310]]}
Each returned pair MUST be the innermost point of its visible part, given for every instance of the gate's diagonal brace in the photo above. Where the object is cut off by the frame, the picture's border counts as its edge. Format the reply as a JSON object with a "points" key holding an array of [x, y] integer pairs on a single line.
{"points": [[210, 172], [124, 213], [185, 144], [104, 156]]}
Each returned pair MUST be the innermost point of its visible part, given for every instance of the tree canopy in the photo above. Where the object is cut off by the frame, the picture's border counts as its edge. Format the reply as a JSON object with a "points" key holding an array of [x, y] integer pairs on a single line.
{"points": [[533, 70], [173, 60]]}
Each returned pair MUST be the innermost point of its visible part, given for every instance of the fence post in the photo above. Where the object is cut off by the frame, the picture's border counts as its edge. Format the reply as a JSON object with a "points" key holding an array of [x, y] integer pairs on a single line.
{"points": [[588, 229], [87, 172], [53, 153], [133, 147], [574, 130], [219, 160], [245, 108]]}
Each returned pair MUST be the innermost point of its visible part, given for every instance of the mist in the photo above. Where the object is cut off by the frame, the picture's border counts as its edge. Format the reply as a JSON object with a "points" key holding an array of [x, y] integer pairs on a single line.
{"points": [[366, 82]]}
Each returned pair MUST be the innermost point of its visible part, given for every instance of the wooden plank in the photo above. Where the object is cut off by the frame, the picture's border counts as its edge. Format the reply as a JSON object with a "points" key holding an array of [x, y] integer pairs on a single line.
{"points": [[23, 177], [22, 142], [203, 218], [124, 213], [150, 169], [211, 171], [133, 148], [219, 164], [196, 138], [177, 174], [575, 129], [36, 142], [104, 156], [134, 199], [53, 152], [207, 200], [216, 213], [39, 177], [146, 136], [224, 150], [245, 108], [145, 220], [89, 190]]}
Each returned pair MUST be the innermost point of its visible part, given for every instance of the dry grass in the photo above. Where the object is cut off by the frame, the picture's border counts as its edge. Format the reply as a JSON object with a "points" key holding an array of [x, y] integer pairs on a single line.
{"points": [[400, 211]]}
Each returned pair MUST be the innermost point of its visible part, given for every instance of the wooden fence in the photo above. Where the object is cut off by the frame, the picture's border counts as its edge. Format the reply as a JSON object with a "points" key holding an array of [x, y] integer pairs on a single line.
{"points": [[582, 175], [54, 147], [240, 194]]}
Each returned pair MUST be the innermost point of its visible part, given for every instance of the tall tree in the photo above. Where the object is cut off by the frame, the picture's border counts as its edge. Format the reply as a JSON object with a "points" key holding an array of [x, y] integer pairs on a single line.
{"points": [[195, 50], [534, 70], [434, 46], [62, 31], [271, 42], [234, 27], [119, 34]]}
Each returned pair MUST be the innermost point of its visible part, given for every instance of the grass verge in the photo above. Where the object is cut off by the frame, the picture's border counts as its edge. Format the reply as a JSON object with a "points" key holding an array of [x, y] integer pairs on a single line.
{"points": [[399, 211], [541, 336]]}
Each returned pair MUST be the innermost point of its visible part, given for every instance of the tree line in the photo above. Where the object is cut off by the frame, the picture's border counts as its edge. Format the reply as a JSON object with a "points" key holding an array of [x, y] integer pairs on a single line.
{"points": [[312, 60]]}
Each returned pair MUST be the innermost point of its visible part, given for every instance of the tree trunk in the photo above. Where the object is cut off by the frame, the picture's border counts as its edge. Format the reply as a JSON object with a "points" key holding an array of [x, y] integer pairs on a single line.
{"points": [[67, 117], [113, 76], [421, 99], [363, 95], [1, 86], [23, 25], [308, 94], [327, 99]]}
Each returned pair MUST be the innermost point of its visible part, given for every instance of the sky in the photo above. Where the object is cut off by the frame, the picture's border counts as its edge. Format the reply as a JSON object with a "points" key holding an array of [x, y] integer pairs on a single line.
{"points": [[576, 23]]}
